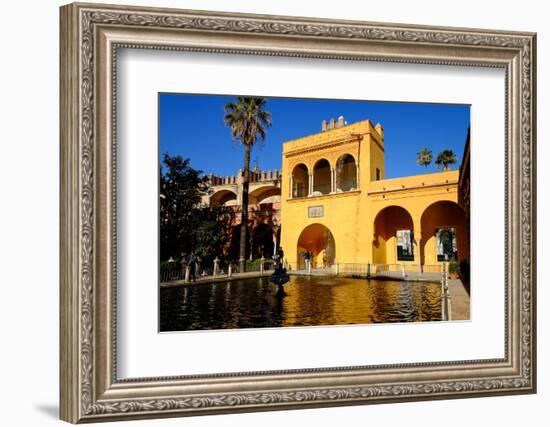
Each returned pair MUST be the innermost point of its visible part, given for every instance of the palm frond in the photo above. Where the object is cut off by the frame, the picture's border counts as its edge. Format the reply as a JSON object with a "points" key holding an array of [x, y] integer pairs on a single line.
{"points": [[247, 119]]}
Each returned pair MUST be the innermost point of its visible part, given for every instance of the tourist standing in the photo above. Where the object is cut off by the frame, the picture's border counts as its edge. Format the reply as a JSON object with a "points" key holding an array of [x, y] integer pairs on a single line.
{"points": [[308, 259], [198, 263], [192, 262], [279, 255]]}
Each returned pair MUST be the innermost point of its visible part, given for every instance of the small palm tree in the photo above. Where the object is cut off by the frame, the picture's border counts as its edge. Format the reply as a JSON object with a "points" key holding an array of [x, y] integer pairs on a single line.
{"points": [[248, 121], [424, 157], [445, 158]]}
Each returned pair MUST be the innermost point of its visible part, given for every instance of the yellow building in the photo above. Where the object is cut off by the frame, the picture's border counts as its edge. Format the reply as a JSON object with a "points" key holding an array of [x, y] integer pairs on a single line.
{"points": [[336, 204]]}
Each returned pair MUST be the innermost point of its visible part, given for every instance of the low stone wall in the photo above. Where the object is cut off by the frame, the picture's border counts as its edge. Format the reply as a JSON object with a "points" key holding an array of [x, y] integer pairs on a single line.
{"points": [[217, 279]]}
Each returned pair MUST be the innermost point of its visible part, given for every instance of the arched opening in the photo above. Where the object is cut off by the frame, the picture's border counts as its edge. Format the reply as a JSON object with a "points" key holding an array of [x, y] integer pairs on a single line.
{"points": [[443, 233], [265, 194], [263, 241], [346, 173], [319, 242], [322, 181], [223, 198], [300, 181], [393, 236], [234, 244]]}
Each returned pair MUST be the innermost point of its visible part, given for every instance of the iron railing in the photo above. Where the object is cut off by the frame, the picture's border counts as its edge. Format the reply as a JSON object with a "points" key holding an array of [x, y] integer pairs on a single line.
{"points": [[176, 271], [254, 266], [172, 271], [365, 269]]}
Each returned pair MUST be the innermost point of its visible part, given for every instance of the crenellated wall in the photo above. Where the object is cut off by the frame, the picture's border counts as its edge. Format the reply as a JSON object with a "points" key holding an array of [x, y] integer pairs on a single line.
{"points": [[264, 187]]}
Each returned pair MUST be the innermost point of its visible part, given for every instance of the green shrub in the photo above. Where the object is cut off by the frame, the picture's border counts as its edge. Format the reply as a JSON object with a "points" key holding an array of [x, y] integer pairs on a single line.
{"points": [[454, 267]]}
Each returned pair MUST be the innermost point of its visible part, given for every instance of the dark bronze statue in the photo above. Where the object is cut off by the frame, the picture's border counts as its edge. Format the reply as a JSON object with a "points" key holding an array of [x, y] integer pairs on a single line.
{"points": [[280, 276]]}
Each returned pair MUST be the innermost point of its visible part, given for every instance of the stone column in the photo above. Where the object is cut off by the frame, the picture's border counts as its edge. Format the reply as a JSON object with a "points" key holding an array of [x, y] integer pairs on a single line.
{"points": [[357, 179], [417, 240], [310, 182], [291, 195], [216, 266], [262, 260], [333, 180]]}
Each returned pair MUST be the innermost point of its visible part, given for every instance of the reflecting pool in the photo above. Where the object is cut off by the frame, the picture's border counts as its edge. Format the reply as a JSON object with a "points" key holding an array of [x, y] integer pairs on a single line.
{"points": [[310, 300]]}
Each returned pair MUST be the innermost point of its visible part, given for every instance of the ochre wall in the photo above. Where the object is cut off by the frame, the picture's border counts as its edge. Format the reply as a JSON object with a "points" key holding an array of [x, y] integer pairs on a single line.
{"points": [[294, 219], [350, 216]]}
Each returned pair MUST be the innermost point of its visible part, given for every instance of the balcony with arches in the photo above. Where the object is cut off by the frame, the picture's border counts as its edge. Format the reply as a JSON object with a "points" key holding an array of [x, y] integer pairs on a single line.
{"points": [[324, 176]]}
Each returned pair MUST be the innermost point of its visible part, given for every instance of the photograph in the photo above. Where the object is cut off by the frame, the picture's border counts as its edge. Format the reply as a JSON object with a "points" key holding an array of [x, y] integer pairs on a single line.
{"points": [[292, 212]]}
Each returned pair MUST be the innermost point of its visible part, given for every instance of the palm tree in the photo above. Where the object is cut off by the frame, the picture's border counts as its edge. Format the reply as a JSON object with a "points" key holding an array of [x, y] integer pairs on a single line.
{"points": [[444, 159], [424, 157], [248, 121]]}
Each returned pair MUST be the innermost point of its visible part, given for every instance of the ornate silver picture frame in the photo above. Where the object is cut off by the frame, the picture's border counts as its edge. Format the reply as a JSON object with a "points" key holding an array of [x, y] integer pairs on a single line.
{"points": [[91, 390]]}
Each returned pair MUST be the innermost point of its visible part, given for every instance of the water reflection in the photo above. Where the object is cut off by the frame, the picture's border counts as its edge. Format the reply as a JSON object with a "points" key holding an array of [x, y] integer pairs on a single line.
{"points": [[310, 300]]}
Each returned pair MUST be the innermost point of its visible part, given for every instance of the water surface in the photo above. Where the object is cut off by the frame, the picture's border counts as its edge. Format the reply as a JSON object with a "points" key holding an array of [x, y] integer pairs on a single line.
{"points": [[310, 300]]}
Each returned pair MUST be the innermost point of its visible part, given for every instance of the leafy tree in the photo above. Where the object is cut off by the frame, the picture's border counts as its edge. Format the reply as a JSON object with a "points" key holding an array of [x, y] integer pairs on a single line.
{"points": [[445, 158], [185, 224], [212, 232], [424, 157], [248, 121]]}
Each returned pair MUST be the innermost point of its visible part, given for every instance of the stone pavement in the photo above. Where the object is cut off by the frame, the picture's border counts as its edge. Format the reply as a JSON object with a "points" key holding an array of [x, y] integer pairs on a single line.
{"points": [[460, 300]]}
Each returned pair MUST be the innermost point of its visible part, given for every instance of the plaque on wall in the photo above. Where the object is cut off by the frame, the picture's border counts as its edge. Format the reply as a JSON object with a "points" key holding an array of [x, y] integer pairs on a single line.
{"points": [[315, 211]]}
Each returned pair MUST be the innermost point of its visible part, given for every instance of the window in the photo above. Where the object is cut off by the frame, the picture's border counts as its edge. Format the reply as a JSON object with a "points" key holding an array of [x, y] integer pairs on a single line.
{"points": [[378, 174], [346, 174], [445, 239], [300, 181], [405, 250]]}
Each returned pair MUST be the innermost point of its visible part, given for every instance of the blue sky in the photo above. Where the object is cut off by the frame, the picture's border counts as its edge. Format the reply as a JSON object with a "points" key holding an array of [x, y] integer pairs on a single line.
{"points": [[192, 126]]}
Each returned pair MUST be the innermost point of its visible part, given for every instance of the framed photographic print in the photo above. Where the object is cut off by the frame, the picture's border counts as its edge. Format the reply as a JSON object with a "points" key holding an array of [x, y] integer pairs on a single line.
{"points": [[266, 212]]}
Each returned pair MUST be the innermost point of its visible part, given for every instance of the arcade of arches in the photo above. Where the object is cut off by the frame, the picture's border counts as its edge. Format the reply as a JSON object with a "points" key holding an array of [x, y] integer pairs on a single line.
{"points": [[263, 216], [325, 178], [440, 235]]}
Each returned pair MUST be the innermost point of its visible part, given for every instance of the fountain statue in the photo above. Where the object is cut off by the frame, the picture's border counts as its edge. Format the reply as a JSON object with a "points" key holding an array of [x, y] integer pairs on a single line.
{"points": [[280, 276]]}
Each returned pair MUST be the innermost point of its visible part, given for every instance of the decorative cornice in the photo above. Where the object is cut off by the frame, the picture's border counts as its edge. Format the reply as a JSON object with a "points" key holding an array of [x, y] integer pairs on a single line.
{"points": [[348, 139], [310, 199], [452, 183]]}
